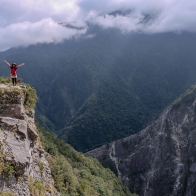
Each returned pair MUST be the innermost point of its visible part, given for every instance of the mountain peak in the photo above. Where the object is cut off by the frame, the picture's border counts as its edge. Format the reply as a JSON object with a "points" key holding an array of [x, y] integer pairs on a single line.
{"points": [[120, 12]]}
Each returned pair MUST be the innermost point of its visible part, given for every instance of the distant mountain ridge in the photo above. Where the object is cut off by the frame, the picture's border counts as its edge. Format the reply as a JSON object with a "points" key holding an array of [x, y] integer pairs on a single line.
{"points": [[120, 12], [146, 17], [106, 87]]}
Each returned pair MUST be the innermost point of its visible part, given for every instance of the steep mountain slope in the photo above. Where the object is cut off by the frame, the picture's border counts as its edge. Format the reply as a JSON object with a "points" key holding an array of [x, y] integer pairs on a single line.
{"points": [[109, 86], [76, 174], [161, 159], [26, 169]]}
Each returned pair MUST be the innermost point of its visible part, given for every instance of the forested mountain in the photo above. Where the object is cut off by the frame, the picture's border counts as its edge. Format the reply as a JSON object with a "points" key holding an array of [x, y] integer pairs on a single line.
{"points": [[100, 89]]}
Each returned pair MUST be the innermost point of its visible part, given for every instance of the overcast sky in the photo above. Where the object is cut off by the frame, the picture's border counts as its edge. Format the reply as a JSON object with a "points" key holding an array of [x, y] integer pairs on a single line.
{"points": [[25, 22]]}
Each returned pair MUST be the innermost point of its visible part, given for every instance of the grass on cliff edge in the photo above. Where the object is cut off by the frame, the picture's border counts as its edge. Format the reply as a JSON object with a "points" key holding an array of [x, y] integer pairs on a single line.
{"points": [[77, 175], [31, 95], [6, 194]]}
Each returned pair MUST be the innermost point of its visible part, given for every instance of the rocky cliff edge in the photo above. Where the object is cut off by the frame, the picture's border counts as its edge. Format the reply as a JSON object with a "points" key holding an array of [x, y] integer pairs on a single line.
{"points": [[24, 170]]}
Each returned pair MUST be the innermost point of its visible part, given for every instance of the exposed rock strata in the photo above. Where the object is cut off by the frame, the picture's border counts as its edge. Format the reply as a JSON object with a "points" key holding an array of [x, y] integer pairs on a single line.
{"points": [[161, 159], [20, 148]]}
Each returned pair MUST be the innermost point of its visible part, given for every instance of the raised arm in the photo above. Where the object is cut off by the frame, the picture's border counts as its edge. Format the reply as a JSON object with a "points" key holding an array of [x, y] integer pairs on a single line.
{"points": [[7, 63], [21, 65]]}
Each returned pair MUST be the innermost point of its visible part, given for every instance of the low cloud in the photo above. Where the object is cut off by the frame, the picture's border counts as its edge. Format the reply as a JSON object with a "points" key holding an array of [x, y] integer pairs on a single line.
{"points": [[163, 16], [27, 33], [127, 24]]}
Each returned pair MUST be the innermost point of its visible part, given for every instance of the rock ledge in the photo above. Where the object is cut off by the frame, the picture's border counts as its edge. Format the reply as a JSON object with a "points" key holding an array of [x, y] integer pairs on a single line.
{"points": [[22, 159]]}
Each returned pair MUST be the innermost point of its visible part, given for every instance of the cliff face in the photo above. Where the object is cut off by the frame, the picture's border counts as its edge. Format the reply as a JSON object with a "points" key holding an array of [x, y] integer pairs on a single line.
{"points": [[23, 168], [161, 159]]}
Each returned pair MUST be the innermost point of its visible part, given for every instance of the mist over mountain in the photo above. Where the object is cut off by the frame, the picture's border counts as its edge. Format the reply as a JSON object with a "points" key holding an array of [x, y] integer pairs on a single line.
{"points": [[96, 90], [145, 17]]}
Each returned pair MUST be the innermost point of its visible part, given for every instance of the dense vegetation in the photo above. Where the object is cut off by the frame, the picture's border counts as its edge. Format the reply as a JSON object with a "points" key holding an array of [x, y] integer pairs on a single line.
{"points": [[77, 175], [5, 194], [97, 90]]}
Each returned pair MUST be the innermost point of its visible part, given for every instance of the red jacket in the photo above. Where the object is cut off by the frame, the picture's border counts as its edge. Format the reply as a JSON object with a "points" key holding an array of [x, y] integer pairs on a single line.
{"points": [[13, 70]]}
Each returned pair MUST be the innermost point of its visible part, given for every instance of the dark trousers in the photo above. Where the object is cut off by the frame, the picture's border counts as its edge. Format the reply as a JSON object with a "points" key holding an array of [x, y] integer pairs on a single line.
{"points": [[14, 81]]}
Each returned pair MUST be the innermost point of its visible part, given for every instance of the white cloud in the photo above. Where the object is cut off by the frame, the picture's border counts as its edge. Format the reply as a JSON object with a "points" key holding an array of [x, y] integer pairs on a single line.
{"points": [[36, 21], [127, 23], [179, 17], [34, 10], [27, 33], [32, 21], [167, 15]]}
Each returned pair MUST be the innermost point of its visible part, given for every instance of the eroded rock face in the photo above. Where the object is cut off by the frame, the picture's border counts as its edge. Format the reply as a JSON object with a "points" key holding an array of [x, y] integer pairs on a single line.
{"points": [[161, 159], [21, 154]]}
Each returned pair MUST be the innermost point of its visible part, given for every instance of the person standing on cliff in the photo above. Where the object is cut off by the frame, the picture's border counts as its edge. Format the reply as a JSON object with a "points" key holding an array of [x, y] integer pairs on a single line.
{"points": [[13, 73]]}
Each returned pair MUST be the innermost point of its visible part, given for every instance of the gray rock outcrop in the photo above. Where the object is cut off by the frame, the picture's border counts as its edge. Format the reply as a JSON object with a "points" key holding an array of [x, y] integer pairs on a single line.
{"points": [[161, 159], [24, 170]]}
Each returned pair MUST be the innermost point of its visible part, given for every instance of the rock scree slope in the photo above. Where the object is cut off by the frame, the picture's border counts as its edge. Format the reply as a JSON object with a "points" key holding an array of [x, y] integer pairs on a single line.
{"points": [[161, 159], [24, 171]]}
